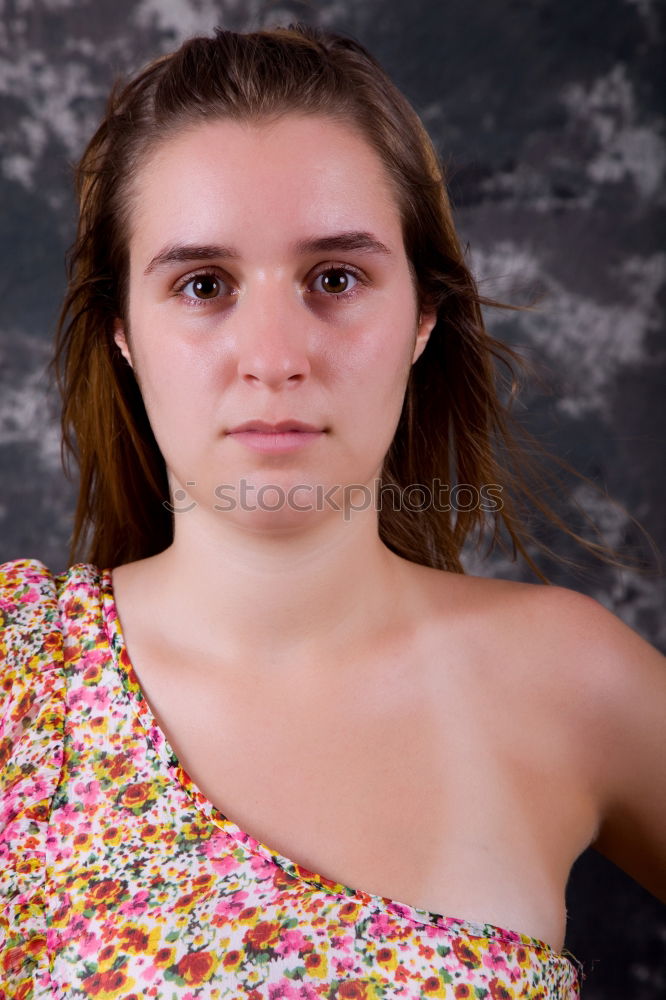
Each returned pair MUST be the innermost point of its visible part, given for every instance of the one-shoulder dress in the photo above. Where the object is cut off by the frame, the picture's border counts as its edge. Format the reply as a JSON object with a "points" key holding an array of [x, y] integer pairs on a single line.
{"points": [[120, 880]]}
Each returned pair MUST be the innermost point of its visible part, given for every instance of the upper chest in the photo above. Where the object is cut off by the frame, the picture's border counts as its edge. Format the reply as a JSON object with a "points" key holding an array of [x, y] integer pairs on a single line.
{"points": [[433, 774]]}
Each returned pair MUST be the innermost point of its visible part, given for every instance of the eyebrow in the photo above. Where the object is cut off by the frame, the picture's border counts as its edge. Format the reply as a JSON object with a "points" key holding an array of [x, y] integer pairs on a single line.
{"points": [[359, 242]]}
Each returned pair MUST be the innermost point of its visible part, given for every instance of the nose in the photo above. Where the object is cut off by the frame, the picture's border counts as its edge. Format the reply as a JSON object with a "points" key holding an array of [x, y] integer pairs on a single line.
{"points": [[273, 335]]}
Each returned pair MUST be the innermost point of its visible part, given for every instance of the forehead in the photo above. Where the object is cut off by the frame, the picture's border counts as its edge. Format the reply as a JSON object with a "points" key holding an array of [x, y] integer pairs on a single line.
{"points": [[263, 180]]}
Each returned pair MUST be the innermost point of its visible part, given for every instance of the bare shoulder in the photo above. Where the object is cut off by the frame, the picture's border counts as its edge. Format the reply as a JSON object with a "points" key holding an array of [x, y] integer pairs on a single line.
{"points": [[610, 685]]}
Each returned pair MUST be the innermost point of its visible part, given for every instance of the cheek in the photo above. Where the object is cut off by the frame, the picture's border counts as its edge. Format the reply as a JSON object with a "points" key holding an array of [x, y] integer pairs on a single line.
{"points": [[175, 391], [382, 360]]}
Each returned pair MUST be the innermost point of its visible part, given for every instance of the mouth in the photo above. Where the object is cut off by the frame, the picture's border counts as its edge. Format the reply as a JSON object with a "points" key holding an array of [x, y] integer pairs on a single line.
{"points": [[290, 438], [283, 427]]}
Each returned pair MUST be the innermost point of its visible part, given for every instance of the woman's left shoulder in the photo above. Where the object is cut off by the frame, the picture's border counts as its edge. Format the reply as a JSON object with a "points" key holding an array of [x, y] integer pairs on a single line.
{"points": [[588, 633], [614, 684], [599, 660], [608, 685], [574, 621]]}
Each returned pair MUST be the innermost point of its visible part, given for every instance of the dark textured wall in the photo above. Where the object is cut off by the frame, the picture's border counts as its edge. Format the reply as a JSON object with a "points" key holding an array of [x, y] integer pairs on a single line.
{"points": [[549, 115]]}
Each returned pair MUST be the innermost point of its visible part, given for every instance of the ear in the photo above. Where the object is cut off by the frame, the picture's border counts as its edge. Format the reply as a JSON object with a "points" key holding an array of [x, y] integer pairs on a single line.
{"points": [[121, 341], [427, 320]]}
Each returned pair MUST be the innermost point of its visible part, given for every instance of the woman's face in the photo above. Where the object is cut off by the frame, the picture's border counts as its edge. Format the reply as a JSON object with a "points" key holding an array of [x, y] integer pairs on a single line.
{"points": [[235, 314]]}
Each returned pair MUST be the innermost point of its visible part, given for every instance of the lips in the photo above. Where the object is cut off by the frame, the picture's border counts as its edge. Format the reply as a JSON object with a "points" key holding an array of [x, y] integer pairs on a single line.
{"points": [[283, 426]]}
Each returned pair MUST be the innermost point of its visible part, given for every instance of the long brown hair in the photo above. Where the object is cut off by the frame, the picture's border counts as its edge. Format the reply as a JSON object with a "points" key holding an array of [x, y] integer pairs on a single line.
{"points": [[456, 424]]}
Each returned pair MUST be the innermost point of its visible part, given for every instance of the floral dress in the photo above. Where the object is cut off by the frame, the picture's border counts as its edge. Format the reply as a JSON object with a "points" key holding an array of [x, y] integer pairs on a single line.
{"points": [[119, 880]]}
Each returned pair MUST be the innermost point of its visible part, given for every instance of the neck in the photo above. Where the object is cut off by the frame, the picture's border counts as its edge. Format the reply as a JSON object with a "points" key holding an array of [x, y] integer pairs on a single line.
{"points": [[284, 600]]}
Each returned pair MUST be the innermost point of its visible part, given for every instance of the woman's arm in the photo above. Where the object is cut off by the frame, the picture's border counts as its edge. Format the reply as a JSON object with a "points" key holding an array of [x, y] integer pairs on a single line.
{"points": [[618, 686]]}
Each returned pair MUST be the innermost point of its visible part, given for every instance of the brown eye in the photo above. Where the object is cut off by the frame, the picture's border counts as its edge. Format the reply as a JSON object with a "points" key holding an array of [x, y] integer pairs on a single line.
{"points": [[201, 288], [205, 286], [338, 283], [336, 280]]}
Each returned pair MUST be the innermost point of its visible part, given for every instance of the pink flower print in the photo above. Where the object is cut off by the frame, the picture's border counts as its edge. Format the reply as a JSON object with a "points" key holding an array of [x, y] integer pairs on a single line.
{"points": [[149, 973], [100, 697], [88, 792], [291, 941], [31, 596], [223, 865], [494, 958], [90, 944], [261, 867], [343, 964], [380, 925], [282, 990], [231, 906], [65, 814], [307, 992], [137, 905]]}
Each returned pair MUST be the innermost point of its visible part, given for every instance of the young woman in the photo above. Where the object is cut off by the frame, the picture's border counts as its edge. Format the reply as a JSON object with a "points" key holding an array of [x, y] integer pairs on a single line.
{"points": [[267, 739]]}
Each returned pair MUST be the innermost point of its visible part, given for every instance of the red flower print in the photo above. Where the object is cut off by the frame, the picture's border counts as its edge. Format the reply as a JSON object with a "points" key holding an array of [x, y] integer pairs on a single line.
{"points": [[134, 939], [185, 901], [52, 642], [107, 891], [196, 968], [353, 989], [136, 795], [465, 954], [283, 880], [25, 990], [105, 984], [263, 935], [500, 992], [431, 984], [163, 957]]}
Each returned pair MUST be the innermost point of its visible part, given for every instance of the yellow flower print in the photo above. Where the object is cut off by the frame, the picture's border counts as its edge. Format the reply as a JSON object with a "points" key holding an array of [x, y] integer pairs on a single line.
{"points": [[434, 987], [82, 841], [498, 991], [108, 985], [112, 836], [107, 891], [316, 964], [197, 967], [92, 675], [187, 902], [107, 956], [523, 957], [138, 939], [165, 957], [265, 934], [118, 768], [149, 833], [387, 957], [232, 959], [193, 830], [137, 795], [466, 954], [99, 724], [349, 912], [203, 882]]}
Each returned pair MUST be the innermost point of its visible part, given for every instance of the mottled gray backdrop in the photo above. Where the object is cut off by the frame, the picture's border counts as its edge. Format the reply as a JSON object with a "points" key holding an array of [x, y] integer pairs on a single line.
{"points": [[549, 115]]}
